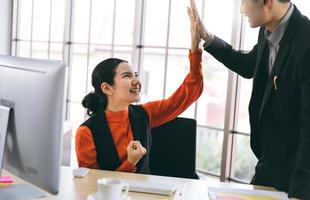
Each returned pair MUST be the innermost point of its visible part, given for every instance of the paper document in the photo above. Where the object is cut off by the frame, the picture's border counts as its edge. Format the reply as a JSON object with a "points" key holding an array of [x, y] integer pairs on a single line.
{"points": [[216, 193]]}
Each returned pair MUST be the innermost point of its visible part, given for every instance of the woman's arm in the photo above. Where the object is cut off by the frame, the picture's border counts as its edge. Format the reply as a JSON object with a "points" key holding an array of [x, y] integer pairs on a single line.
{"points": [[188, 92], [165, 110]]}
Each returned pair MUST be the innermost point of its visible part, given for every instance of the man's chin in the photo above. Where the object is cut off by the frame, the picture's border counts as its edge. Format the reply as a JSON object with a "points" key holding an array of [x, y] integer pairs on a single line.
{"points": [[253, 25]]}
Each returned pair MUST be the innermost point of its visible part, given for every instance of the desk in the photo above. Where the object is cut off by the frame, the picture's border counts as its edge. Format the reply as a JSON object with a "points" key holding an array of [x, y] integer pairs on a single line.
{"points": [[78, 188]]}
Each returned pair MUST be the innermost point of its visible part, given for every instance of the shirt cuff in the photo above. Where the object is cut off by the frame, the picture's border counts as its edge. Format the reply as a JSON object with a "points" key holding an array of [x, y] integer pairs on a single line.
{"points": [[126, 166], [195, 60], [208, 42]]}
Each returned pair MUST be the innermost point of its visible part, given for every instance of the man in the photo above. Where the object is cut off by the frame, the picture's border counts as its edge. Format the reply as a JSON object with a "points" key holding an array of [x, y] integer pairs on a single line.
{"points": [[279, 108]]}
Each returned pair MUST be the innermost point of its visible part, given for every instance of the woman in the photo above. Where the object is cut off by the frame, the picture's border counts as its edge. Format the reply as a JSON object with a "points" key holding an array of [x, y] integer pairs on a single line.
{"points": [[117, 134]]}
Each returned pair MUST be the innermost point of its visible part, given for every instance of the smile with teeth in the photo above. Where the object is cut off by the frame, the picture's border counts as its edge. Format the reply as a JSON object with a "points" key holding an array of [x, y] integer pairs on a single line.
{"points": [[135, 90]]}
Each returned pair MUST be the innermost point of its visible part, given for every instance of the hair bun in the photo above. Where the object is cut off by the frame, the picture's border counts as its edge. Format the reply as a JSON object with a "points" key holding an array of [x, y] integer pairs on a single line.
{"points": [[91, 102]]}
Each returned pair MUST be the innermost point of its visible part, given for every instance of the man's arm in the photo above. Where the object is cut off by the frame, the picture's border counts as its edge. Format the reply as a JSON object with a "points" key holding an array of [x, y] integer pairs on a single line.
{"points": [[237, 61]]}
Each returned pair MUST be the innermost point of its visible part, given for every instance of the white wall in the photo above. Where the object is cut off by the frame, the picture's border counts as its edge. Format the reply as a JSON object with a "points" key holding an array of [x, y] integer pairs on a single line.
{"points": [[5, 26]]}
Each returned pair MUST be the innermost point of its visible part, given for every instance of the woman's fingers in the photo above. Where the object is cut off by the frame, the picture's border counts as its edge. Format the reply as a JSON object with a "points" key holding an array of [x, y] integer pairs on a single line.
{"points": [[136, 145], [194, 9]]}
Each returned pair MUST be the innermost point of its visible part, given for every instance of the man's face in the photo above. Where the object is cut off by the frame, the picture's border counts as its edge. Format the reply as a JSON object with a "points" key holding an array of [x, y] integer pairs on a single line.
{"points": [[254, 11]]}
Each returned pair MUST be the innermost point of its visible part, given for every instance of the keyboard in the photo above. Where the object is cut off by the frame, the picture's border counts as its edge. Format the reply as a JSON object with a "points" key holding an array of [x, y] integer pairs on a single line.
{"points": [[152, 188]]}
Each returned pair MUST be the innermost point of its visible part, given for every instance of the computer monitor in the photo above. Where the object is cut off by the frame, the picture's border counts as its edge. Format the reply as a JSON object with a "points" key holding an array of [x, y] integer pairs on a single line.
{"points": [[34, 90]]}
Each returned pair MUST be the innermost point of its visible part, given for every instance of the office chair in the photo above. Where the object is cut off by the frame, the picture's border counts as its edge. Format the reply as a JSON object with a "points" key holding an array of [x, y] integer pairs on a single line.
{"points": [[173, 151]]}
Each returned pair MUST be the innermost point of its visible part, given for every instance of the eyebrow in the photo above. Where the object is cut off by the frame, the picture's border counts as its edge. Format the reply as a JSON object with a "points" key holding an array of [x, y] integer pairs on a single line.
{"points": [[130, 73], [125, 73]]}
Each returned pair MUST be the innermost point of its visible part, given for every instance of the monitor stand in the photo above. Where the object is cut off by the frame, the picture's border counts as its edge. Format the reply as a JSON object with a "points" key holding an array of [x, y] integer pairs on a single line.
{"points": [[16, 191], [4, 121]]}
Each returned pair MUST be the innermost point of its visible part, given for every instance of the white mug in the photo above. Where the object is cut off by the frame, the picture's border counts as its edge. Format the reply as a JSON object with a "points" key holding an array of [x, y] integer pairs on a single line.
{"points": [[112, 189]]}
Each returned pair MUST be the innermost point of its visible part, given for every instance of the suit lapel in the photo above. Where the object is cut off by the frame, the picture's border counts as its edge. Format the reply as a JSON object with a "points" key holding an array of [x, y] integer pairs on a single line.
{"points": [[260, 54], [276, 70], [284, 49]]}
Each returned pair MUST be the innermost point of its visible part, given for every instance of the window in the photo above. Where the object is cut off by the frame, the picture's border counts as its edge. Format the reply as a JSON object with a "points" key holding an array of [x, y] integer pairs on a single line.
{"points": [[209, 150], [154, 37], [211, 105], [244, 161], [303, 6]]}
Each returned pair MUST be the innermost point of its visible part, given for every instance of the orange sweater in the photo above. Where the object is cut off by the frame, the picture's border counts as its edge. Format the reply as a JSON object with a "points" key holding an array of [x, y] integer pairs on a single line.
{"points": [[159, 112]]}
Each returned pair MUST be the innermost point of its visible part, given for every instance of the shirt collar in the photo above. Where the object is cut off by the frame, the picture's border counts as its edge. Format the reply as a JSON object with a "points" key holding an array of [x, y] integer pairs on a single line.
{"points": [[275, 36], [116, 116]]}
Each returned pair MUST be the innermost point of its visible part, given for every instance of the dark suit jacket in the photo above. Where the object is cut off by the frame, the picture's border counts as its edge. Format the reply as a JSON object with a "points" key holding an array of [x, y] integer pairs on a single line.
{"points": [[279, 118]]}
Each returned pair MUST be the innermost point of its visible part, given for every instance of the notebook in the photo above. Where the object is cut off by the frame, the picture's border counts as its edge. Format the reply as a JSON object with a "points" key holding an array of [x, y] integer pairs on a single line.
{"points": [[216, 193]]}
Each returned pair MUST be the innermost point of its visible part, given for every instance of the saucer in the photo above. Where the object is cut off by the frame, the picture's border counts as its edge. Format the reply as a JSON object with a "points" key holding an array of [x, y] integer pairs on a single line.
{"points": [[95, 196]]}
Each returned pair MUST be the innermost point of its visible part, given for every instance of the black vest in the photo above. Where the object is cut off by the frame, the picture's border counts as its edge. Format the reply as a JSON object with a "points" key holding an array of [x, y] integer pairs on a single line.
{"points": [[107, 157]]}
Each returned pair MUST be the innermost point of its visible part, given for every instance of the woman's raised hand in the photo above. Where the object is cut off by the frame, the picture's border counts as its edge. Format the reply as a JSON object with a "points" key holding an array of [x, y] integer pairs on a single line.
{"points": [[204, 34], [195, 36]]}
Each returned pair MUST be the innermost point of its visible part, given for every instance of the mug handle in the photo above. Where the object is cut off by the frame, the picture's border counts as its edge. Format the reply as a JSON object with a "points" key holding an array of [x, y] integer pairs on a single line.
{"points": [[125, 191]]}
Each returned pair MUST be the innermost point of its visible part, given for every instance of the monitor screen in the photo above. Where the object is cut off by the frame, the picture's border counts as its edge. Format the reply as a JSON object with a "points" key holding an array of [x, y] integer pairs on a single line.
{"points": [[34, 90]]}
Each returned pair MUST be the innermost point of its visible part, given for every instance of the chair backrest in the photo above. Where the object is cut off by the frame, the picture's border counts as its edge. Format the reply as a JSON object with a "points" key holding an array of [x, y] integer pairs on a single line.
{"points": [[173, 151]]}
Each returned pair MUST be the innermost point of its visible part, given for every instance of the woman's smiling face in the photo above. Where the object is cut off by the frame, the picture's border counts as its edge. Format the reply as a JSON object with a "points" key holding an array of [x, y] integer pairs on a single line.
{"points": [[126, 88]]}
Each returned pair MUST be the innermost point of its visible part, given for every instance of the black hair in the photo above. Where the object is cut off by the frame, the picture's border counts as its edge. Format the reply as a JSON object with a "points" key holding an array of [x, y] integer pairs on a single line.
{"points": [[103, 72]]}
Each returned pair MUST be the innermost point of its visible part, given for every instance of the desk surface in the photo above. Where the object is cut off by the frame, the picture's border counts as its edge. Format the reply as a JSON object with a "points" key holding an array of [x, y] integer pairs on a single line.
{"points": [[80, 188]]}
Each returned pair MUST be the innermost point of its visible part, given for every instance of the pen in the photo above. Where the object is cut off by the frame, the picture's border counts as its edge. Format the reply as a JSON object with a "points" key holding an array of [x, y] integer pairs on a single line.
{"points": [[275, 82]]}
